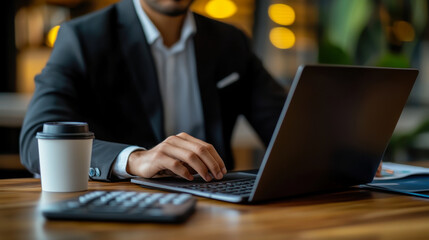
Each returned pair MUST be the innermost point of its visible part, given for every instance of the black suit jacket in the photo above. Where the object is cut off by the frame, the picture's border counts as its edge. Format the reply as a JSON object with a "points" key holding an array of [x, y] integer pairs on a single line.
{"points": [[101, 71]]}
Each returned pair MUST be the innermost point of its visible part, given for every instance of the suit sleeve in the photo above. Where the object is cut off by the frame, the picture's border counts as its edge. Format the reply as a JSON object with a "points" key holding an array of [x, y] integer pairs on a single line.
{"points": [[266, 98], [57, 97]]}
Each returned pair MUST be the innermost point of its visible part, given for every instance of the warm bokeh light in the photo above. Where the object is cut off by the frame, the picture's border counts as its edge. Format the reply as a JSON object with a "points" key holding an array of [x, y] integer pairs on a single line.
{"points": [[221, 8], [404, 31], [282, 14], [282, 37], [52, 36]]}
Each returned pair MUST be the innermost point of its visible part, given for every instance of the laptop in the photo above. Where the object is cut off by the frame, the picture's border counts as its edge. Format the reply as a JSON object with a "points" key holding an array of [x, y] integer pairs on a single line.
{"points": [[332, 133]]}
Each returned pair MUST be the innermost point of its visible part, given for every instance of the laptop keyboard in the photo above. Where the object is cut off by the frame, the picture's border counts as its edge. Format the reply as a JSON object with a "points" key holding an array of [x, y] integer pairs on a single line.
{"points": [[235, 187]]}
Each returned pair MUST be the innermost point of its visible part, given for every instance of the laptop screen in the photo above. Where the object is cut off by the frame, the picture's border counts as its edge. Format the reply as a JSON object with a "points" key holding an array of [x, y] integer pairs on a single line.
{"points": [[334, 128]]}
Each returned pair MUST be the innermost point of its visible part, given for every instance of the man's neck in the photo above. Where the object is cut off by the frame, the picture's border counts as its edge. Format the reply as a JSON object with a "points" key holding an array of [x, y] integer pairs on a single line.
{"points": [[169, 27]]}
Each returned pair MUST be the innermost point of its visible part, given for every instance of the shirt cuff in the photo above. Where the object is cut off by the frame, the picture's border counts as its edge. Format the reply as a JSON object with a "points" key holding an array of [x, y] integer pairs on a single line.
{"points": [[120, 164]]}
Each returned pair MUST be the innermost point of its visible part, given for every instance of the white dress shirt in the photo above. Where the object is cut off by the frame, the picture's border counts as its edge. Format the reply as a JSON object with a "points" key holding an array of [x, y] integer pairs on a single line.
{"points": [[178, 82]]}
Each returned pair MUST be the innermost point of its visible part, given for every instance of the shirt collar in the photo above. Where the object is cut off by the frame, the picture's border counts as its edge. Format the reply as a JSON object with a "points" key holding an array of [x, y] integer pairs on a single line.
{"points": [[152, 33]]}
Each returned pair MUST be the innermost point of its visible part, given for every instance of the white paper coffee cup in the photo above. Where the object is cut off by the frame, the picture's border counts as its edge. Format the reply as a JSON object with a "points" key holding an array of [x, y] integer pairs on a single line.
{"points": [[65, 155]]}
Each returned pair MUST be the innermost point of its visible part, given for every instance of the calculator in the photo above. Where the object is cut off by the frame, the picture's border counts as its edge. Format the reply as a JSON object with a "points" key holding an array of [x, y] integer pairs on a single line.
{"points": [[130, 206]]}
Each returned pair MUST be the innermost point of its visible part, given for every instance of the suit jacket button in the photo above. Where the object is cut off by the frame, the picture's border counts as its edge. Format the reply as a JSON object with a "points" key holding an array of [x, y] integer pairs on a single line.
{"points": [[97, 172], [91, 172]]}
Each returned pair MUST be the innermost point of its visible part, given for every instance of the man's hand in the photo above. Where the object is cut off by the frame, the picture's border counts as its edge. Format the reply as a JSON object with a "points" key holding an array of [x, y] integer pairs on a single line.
{"points": [[380, 167], [180, 154]]}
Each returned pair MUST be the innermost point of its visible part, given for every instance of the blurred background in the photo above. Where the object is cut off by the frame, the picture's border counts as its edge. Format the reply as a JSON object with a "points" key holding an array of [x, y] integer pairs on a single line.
{"points": [[284, 34]]}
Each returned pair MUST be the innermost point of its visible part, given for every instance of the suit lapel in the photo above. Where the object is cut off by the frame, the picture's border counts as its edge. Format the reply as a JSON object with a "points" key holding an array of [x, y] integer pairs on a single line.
{"points": [[209, 97], [139, 58]]}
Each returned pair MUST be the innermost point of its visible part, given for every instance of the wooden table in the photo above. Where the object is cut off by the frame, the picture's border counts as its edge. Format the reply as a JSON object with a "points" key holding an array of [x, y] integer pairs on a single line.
{"points": [[352, 214]]}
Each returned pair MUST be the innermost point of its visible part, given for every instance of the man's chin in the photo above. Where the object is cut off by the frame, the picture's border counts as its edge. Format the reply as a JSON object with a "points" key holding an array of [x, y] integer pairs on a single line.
{"points": [[172, 9], [174, 12]]}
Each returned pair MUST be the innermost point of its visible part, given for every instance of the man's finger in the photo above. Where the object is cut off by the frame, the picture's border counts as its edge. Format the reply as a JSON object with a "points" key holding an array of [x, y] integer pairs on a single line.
{"points": [[201, 151], [176, 167], [380, 168], [189, 157], [210, 147]]}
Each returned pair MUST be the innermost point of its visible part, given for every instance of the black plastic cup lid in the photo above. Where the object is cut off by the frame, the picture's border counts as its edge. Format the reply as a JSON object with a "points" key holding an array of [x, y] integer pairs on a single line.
{"points": [[65, 130]]}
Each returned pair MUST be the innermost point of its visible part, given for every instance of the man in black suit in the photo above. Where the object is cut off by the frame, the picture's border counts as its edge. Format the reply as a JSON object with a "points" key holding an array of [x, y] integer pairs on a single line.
{"points": [[159, 86]]}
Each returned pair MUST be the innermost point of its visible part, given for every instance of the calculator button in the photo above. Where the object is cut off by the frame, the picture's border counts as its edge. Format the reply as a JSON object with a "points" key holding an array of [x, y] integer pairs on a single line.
{"points": [[181, 199]]}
